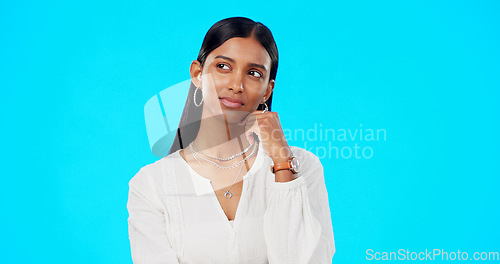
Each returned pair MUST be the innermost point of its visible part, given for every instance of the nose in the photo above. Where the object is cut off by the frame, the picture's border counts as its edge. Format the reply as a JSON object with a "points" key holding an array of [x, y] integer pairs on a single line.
{"points": [[236, 84]]}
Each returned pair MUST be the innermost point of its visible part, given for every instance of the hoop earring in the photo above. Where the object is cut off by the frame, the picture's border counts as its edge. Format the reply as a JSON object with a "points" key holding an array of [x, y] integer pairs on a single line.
{"points": [[266, 109], [194, 97]]}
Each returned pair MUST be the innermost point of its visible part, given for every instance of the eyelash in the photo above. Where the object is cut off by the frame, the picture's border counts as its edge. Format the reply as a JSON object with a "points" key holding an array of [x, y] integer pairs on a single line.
{"points": [[221, 64], [260, 74]]}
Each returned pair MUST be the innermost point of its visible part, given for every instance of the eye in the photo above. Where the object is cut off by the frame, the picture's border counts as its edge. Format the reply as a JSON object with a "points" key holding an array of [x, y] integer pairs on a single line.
{"points": [[255, 74], [222, 66]]}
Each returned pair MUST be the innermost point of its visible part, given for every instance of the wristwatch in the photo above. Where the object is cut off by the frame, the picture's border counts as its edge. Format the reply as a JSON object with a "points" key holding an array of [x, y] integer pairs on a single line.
{"points": [[292, 164]]}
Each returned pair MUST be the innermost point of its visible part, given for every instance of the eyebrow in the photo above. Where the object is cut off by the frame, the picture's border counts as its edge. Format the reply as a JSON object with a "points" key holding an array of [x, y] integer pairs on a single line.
{"points": [[249, 64]]}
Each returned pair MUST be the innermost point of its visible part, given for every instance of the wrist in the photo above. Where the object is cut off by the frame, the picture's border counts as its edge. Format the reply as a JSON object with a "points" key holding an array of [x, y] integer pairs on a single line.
{"points": [[284, 176], [281, 159], [290, 165], [285, 154]]}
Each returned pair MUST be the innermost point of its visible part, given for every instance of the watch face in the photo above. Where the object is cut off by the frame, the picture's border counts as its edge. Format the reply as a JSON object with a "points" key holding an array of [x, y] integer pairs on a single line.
{"points": [[295, 164]]}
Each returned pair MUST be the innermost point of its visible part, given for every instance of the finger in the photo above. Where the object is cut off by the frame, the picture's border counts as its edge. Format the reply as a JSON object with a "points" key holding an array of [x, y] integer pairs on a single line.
{"points": [[249, 118], [259, 112], [251, 128], [277, 116], [278, 119], [250, 138]]}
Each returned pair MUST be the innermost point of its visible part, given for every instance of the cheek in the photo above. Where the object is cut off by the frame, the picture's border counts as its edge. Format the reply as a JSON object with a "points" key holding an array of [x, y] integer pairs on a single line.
{"points": [[214, 82], [220, 83], [255, 96], [209, 87]]}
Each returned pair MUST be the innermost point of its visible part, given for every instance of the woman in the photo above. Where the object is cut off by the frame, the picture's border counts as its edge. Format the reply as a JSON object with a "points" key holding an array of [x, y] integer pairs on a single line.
{"points": [[231, 190]]}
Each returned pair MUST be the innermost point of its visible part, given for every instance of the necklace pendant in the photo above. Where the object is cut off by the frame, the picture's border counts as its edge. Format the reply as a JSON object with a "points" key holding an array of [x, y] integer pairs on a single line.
{"points": [[228, 193]]}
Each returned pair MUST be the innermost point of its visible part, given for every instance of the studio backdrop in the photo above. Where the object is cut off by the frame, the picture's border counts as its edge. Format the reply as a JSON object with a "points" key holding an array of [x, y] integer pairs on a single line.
{"points": [[398, 99]]}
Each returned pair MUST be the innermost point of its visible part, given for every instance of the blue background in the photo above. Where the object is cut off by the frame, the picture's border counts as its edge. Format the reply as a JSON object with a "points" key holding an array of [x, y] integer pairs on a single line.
{"points": [[75, 76]]}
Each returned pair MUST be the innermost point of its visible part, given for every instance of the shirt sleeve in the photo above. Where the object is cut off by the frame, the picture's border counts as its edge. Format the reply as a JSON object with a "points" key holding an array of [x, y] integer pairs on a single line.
{"points": [[297, 221], [149, 243]]}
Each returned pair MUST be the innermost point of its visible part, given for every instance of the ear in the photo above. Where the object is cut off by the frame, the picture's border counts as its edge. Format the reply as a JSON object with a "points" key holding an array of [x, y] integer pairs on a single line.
{"points": [[269, 90], [195, 71]]}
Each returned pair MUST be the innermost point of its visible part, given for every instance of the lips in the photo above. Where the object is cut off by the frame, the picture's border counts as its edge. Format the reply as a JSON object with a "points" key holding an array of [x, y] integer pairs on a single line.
{"points": [[231, 102]]}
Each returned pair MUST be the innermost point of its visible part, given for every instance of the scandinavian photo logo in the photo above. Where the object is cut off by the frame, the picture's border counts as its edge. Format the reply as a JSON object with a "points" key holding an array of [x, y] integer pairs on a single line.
{"points": [[338, 143]]}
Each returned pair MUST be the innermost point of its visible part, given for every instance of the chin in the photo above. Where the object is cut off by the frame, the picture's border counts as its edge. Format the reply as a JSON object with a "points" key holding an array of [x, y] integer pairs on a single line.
{"points": [[234, 116]]}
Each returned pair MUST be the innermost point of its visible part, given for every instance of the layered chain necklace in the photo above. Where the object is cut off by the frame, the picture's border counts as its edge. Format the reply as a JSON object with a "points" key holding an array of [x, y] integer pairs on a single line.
{"points": [[198, 157], [221, 159]]}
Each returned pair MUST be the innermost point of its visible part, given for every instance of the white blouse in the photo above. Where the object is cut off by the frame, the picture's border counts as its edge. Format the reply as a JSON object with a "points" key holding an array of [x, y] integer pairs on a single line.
{"points": [[175, 216]]}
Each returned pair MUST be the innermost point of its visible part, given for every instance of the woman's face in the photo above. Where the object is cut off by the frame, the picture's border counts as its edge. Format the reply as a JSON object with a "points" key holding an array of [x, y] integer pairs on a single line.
{"points": [[234, 79]]}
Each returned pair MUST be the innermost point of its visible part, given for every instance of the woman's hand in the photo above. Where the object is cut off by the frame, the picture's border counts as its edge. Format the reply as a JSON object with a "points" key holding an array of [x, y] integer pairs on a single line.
{"points": [[267, 126]]}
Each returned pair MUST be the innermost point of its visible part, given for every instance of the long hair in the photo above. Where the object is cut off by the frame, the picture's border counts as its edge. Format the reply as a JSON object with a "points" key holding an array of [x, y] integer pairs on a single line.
{"points": [[219, 33]]}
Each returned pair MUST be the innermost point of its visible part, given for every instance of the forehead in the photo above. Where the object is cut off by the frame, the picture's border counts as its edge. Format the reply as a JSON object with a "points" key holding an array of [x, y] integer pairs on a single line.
{"points": [[244, 50]]}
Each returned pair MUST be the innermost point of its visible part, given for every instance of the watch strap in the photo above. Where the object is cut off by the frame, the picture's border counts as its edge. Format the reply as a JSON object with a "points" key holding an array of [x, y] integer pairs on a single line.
{"points": [[281, 166], [286, 165]]}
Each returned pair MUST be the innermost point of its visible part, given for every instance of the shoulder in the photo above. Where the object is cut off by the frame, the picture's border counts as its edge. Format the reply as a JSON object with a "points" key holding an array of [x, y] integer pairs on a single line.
{"points": [[150, 177]]}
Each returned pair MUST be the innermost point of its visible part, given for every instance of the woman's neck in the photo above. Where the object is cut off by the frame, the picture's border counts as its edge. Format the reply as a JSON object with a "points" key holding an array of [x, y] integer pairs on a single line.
{"points": [[219, 138]]}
